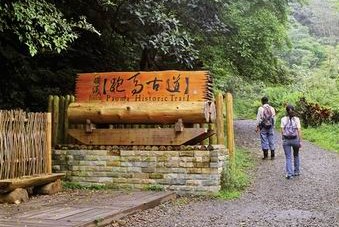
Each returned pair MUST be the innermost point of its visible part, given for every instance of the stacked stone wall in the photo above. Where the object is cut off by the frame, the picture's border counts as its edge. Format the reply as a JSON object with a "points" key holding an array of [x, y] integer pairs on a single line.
{"points": [[194, 170]]}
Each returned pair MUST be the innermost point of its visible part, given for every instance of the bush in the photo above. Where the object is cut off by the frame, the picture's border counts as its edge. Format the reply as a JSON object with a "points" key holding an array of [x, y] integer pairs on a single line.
{"points": [[312, 114], [335, 117], [235, 180]]}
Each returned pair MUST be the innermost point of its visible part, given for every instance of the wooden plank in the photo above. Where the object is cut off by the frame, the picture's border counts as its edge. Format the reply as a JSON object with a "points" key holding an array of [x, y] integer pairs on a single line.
{"points": [[94, 214], [36, 223], [24, 182], [143, 197], [149, 136], [28, 215], [90, 214], [60, 213], [141, 86], [200, 138], [162, 197]]}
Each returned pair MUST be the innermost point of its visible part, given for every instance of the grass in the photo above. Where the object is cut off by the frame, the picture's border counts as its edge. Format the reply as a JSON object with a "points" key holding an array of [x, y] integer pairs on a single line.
{"points": [[73, 185], [236, 179], [154, 187], [325, 136]]}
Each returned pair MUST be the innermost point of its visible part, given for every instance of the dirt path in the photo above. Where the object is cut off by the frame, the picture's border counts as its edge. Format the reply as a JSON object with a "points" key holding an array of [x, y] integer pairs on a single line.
{"points": [[311, 199]]}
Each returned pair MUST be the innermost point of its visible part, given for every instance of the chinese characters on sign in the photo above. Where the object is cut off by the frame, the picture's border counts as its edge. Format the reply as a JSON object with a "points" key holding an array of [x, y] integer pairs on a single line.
{"points": [[163, 86]]}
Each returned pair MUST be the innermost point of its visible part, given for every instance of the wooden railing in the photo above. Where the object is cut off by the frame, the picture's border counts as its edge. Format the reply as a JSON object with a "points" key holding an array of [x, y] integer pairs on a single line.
{"points": [[25, 144]]}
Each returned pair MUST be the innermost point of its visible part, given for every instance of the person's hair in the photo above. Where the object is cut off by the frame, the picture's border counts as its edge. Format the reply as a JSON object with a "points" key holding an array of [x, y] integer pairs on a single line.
{"points": [[264, 100], [290, 111]]}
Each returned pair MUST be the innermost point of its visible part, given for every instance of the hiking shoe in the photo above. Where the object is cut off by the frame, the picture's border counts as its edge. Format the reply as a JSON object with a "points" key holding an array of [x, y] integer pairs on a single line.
{"points": [[272, 157], [288, 177], [264, 158], [296, 174]]}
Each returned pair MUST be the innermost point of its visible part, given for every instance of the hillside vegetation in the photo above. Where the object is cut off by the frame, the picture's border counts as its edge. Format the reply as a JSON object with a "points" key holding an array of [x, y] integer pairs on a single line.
{"points": [[312, 59]]}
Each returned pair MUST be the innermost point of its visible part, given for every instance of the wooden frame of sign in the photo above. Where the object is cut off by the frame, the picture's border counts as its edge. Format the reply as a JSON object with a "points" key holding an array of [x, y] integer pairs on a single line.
{"points": [[160, 97]]}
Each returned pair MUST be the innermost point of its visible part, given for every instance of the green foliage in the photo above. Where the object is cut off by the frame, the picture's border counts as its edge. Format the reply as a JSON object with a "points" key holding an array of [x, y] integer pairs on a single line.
{"points": [[236, 179], [159, 33], [280, 96], [312, 114], [326, 136], [251, 48], [247, 98], [228, 195], [72, 185], [40, 25], [154, 187]]}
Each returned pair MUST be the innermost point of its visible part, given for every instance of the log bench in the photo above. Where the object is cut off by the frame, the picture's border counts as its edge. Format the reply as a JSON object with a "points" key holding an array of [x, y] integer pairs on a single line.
{"points": [[16, 190]]}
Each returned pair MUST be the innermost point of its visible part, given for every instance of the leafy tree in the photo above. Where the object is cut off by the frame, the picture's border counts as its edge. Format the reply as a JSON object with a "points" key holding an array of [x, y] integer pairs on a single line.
{"points": [[258, 29], [44, 43], [39, 25]]}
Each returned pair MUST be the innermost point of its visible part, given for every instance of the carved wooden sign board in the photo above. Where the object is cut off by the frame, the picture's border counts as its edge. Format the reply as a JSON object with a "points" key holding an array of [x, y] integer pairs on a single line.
{"points": [[161, 97], [157, 86]]}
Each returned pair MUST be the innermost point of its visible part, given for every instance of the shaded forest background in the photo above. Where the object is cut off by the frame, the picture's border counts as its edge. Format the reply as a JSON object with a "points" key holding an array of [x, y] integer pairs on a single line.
{"points": [[283, 49]]}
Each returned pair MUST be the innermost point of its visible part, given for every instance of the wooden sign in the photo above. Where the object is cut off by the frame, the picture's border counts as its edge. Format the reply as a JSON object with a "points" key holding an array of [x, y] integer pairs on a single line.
{"points": [[157, 86]]}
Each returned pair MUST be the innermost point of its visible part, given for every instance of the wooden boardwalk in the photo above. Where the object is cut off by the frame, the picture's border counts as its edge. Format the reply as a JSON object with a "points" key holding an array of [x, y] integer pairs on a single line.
{"points": [[88, 215]]}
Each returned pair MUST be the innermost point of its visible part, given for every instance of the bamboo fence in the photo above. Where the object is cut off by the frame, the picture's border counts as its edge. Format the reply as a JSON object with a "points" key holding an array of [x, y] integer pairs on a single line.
{"points": [[24, 144]]}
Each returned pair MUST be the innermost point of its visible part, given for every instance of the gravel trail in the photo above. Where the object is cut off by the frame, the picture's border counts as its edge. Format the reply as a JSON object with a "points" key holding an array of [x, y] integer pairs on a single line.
{"points": [[308, 200]]}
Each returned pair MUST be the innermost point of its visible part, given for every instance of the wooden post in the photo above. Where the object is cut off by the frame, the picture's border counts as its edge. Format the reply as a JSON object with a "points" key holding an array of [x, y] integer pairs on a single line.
{"points": [[219, 119], [50, 104], [67, 102], [72, 98], [213, 139], [204, 142], [229, 127], [49, 143], [55, 120], [61, 119]]}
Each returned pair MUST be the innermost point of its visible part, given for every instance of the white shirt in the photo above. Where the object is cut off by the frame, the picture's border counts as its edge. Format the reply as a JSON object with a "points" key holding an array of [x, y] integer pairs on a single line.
{"points": [[295, 122]]}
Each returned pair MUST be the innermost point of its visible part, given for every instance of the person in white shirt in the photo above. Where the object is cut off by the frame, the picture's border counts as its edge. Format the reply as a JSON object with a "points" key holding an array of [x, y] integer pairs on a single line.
{"points": [[266, 127], [291, 136]]}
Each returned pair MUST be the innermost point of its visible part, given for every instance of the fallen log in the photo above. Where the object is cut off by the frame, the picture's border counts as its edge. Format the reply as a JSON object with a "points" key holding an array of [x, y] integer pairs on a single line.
{"points": [[142, 112]]}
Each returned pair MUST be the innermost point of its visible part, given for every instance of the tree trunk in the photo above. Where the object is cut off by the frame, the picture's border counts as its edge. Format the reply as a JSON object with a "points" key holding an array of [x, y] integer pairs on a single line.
{"points": [[141, 112]]}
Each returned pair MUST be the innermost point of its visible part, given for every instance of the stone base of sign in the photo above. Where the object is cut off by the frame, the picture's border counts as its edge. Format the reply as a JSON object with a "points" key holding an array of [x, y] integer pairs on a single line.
{"points": [[189, 171]]}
